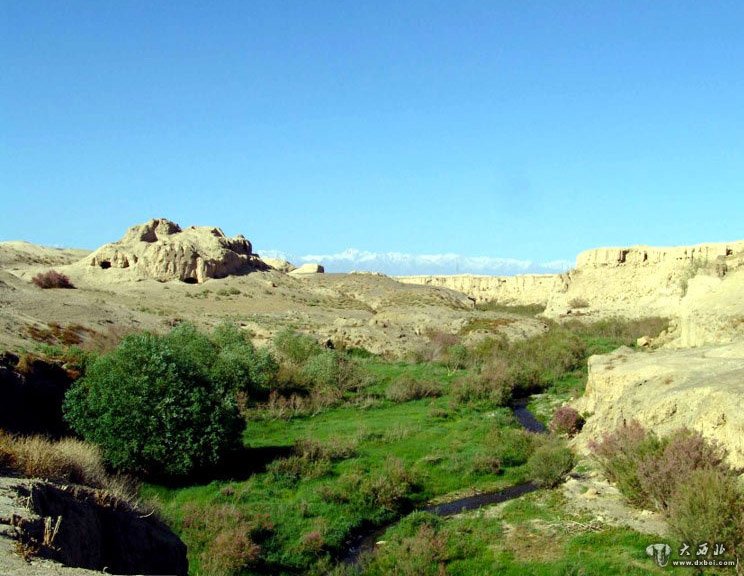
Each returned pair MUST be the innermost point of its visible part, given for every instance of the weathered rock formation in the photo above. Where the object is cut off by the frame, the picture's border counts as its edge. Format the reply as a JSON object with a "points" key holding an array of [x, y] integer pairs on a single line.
{"points": [[161, 250], [279, 264], [700, 388], [701, 288], [308, 268], [524, 289]]}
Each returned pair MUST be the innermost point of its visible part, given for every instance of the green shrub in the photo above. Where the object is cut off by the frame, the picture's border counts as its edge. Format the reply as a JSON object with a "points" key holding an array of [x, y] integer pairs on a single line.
{"points": [[511, 446], [536, 362], [708, 506], [153, 405], [333, 449], [322, 369], [423, 553], [493, 385], [295, 468], [405, 388], [622, 330], [227, 537], [457, 357], [550, 463], [388, 490], [296, 347]]}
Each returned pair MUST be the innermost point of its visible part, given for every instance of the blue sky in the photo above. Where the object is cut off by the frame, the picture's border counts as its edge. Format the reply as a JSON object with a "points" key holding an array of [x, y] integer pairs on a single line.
{"points": [[500, 130]]}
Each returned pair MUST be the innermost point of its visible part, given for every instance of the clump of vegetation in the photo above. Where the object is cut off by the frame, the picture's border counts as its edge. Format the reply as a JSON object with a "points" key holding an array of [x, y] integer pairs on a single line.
{"points": [[684, 476], [529, 310], [54, 334], [550, 462], [511, 446], [418, 549], [65, 460], [578, 302], [295, 347], [295, 468], [52, 279], [661, 472], [167, 404], [231, 538], [311, 378], [492, 385], [708, 506], [406, 389], [566, 420], [621, 331], [620, 453]]}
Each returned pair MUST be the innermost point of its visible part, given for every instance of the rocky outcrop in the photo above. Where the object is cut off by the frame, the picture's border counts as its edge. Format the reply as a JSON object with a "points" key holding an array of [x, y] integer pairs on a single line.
{"points": [[81, 528], [527, 289], [161, 250], [700, 288], [700, 388], [279, 264], [308, 268], [640, 280]]}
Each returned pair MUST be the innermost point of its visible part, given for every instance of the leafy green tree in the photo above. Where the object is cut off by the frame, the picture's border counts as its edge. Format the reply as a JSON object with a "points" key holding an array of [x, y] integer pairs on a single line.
{"points": [[161, 404]]}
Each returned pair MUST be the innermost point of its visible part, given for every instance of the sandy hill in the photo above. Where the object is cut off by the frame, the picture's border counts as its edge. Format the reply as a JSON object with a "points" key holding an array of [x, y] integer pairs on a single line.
{"points": [[158, 274]]}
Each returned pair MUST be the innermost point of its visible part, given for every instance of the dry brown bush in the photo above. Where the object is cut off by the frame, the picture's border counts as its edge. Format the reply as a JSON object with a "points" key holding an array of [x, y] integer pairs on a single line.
{"points": [[66, 460], [52, 279]]}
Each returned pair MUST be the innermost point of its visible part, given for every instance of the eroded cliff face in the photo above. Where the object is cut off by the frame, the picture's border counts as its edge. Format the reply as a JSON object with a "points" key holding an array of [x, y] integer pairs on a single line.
{"points": [[700, 288], [522, 290], [699, 388], [73, 530]]}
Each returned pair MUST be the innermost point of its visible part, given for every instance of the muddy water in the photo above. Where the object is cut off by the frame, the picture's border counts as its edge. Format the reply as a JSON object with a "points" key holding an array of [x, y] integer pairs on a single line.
{"points": [[365, 541]]}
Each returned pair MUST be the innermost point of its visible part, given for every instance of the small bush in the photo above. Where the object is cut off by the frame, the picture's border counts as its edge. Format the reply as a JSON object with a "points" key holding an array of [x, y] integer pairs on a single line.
{"points": [[566, 420], [239, 365], [422, 554], [708, 506], [620, 452], [486, 464], [660, 474], [457, 357], [229, 538], [52, 279], [390, 488], [295, 468], [295, 347], [578, 302], [321, 370], [436, 349], [550, 463], [229, 553], [406, 388], [493, 385], [536, 362], [333, 449], [624, 331], [510, 446]]}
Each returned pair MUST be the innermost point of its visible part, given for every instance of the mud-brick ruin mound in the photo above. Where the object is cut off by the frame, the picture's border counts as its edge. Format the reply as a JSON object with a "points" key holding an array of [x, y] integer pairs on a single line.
{"points": [[161, 250]]}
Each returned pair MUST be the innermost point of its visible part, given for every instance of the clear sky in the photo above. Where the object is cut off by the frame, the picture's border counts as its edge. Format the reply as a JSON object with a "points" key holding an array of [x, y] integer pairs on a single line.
{"points": [[524, 130]]}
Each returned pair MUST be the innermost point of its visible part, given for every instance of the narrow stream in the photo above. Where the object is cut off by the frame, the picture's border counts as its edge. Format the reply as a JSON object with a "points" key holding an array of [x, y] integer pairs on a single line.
{"points": [[366, 541]]}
